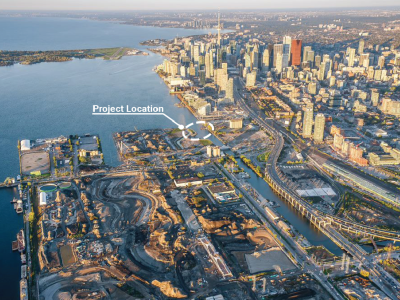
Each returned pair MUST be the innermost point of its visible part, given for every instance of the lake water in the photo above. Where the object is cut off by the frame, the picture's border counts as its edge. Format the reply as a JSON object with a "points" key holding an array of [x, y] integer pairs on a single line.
{"points": [[53, 99]]}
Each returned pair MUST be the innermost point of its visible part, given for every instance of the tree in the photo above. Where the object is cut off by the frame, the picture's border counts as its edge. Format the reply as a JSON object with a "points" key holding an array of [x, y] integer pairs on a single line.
{"points": [[364, 273]]}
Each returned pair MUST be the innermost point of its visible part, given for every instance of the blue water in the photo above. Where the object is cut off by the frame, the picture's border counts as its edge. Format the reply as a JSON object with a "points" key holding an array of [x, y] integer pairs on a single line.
{"points": [[53, 99]]}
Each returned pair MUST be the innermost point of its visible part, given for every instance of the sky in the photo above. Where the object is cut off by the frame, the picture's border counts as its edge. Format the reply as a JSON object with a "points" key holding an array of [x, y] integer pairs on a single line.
{"points": [[184, 4]]}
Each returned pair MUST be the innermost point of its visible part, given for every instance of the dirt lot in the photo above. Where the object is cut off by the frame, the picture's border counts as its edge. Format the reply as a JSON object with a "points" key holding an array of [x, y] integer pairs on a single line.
{"points": [[35, 161]]}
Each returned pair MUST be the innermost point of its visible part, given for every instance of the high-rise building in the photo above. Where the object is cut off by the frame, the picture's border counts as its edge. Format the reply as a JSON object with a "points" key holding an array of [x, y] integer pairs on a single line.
{"points": [[202, 77], [364, 60], [352, 54], [251, 79], [229, 89], [285, 55], [308, 121], [196, 53], [319, 128], [207, 65], [381, 61], [321, 72], [279, 62], [296, 53], [338, 140], [265, 60], [287, 40], [361, 44], [312, 88], [278, 49], [318, 60], [306, 49], [375, 97]]}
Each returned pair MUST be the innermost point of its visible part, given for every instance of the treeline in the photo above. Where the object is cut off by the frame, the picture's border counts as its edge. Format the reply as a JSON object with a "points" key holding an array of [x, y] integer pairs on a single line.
{"points": [[8, 58]]}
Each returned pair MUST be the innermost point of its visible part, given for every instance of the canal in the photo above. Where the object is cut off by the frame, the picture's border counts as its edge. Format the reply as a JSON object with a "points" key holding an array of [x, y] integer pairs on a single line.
{"points": [[300, 223]]}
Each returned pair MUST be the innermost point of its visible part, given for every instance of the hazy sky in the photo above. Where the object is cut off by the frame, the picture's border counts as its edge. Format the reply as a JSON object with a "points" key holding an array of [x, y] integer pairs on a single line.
{"points": [[184, 4]]}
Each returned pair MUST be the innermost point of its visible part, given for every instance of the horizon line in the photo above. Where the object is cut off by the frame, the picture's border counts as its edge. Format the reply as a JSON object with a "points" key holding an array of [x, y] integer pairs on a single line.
{"points": [[199, 9]]}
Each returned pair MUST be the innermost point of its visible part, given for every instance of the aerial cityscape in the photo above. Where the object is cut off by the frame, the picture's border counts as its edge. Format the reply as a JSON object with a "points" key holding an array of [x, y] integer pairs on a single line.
{"points": [[227, 152]]}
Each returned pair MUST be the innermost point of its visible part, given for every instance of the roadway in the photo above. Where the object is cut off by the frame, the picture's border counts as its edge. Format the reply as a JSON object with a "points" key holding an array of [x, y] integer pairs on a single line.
{"points": [[312, 213]]}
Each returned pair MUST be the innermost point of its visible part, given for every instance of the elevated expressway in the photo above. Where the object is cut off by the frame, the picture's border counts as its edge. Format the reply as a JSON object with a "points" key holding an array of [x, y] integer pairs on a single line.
{"points": [[325, 222]]}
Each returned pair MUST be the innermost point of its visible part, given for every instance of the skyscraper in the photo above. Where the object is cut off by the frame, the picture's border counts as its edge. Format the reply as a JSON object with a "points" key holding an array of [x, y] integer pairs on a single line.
{"points": [[207, 65], [279, 62], [229, 89], [352, 54], [319, 128], [296, 53], [285, 55], [265, 60], [308, 121], [306, 49], [251, 79], [361, 47], [278, 49]]}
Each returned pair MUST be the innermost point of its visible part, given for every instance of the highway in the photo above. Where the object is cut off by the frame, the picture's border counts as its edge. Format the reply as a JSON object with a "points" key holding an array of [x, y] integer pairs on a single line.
{"points": [[314, 215]]}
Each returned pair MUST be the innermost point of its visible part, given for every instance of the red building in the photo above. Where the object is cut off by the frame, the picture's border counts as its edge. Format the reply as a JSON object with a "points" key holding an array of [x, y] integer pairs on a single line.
{"points": [[296, 53]]}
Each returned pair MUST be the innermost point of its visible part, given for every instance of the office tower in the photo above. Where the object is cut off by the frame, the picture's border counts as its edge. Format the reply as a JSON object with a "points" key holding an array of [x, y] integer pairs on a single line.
{"points": [[361, 47], [212, 63], [306, 49], [375, 97], [247, 60], [321, 72], [308, 121], [279, 62], [335, 98], [202, 76], [338, 140], [352, 54], [381, 61], [310, 56], [332, 81], [196, 53], [296, 53], [278, 49], [318, 60], [312, 88], [207, 65], [229, 89], [221, 78], [251, 79], [254, 59], [319, 128], [265, 60], [364, 60], [287, 40], [326, 58], [256, 56], [182, 71], [285, 55]]}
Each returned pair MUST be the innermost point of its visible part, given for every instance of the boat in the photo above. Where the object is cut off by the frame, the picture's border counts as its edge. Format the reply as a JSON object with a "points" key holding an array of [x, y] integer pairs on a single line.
{"points": [[14, 245], [23, 289], [14, 200], [21, 240], [19, 209], [23, 272], [23, 258], [15, 206]]}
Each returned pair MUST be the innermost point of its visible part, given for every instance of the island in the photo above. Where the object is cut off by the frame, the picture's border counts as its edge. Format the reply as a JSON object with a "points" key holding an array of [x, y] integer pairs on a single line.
{"points": [[9, 58]]}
